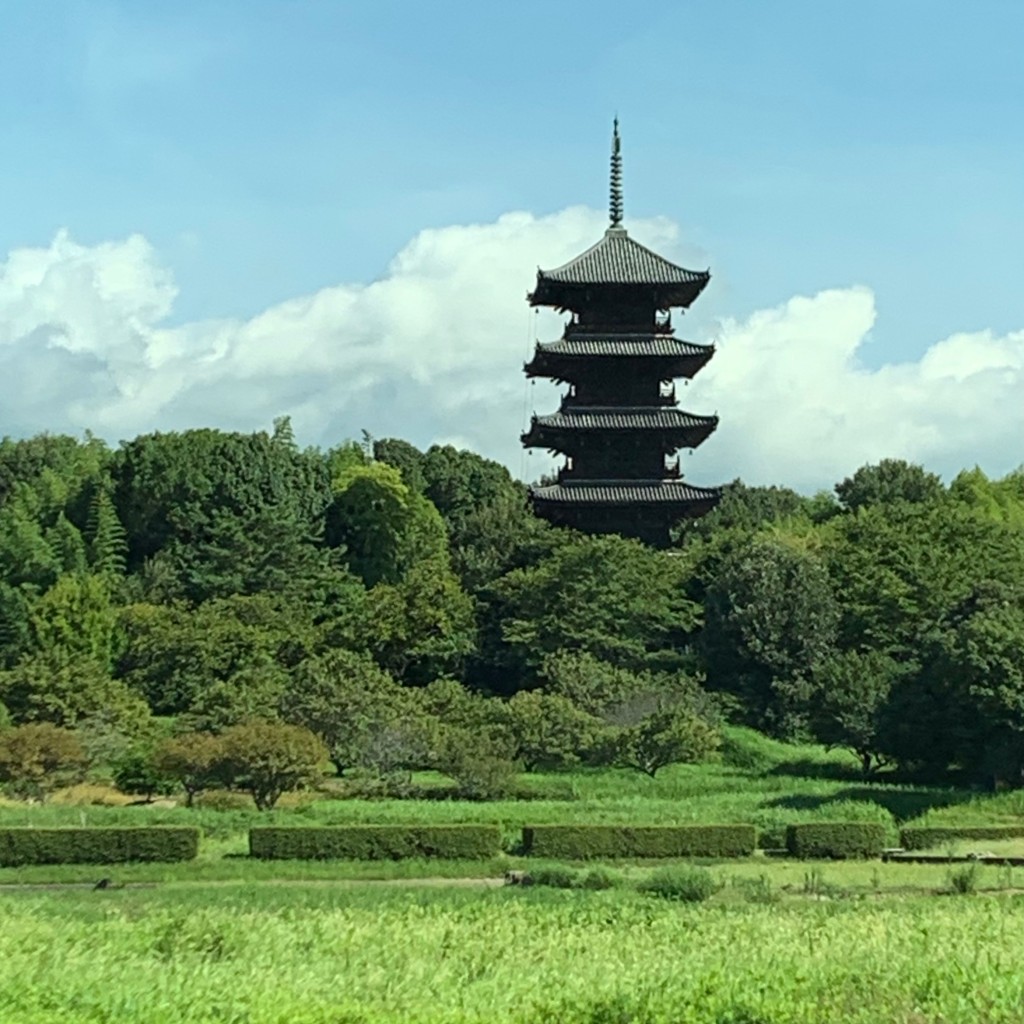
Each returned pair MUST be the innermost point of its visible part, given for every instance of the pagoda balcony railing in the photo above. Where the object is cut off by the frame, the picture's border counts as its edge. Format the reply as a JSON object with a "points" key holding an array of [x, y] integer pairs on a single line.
{"points": [[663, 399], [661, 324]]}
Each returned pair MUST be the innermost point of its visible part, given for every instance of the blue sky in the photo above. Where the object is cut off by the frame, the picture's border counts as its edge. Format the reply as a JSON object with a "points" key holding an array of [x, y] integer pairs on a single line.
{"points": [[267, 151]]}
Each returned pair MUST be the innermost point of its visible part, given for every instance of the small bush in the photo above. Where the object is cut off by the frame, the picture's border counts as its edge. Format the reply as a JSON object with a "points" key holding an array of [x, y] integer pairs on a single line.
{"points": [[223, 800], [376, 842], [758, 890], [555, 877], [836, 840], [136, 774], [684, 883], [269, 758], [771, 836], [925, 838], [599, 878], [480, 775], [194, 760], [37, 758], [964, 881], [594, 842], [19, 846]]}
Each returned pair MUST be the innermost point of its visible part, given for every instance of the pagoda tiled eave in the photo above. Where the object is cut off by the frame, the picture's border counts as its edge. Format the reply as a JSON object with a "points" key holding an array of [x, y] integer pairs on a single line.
{"points": [[674, 427], [668, 357], [615, 493], [618, 262]]}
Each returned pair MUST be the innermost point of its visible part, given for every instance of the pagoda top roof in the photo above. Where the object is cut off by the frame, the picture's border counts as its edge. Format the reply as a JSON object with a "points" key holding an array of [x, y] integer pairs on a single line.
{"points": [[626, 492], [617, 260]]}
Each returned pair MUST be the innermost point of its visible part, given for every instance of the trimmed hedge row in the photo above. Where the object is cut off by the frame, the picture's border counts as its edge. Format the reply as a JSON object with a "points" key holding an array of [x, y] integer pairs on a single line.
{"points": [[375, 842], [20, 846], [585, 842], [923, 837], [836, 840]]}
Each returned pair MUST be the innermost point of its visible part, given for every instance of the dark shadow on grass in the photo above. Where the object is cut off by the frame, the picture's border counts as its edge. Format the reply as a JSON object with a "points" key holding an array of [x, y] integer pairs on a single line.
{"points": [[807, 768], [902, 805]]}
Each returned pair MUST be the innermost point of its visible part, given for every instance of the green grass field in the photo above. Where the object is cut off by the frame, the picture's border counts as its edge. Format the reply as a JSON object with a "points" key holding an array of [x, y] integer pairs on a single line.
{"points": [[306, 954], [229, 940]]}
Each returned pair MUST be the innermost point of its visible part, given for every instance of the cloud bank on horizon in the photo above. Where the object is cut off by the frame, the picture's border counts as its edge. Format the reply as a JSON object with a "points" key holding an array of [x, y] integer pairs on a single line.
{"points": [[432, 352]]}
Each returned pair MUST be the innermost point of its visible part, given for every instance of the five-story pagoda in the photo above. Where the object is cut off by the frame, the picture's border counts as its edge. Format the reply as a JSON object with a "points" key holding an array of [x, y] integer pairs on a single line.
{"points": [[619, 425]]}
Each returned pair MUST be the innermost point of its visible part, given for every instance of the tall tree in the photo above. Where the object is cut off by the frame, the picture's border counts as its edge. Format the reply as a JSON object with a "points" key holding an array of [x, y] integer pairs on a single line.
{"points": [[108, 541], [613, 598], [771, 621], [172, 654], [890, 481], [357, 709], [384, 527], [229, 513], [423, 626], [850, 704]]}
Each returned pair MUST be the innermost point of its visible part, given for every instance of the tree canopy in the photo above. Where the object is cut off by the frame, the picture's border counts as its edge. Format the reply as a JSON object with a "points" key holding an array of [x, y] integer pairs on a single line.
{"points": [[407, 609]]}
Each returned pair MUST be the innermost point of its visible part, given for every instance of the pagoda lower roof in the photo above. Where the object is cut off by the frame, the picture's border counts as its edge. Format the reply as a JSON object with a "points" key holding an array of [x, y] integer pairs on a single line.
{"points": [[618, 260], [614, 417], [626, 492], [625, 346]]}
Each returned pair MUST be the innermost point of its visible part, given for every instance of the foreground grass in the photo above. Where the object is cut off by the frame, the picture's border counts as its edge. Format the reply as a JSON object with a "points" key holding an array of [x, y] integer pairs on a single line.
{"points": [[783, 877], [310, 955]]}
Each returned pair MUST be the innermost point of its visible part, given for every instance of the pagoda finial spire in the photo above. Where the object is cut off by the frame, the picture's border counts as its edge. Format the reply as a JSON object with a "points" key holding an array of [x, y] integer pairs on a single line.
{"points": [[615, 206]]}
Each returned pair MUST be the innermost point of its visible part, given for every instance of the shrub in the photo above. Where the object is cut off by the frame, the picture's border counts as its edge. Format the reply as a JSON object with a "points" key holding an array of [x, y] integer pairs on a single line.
{"points": [[376, 842], [194, 760], [135, 773], [585, 842], [925, 838], [223, 800], [598, 878], [672, 735], [37, 758], [836, 840], [558, 876], [480, 769], [547, 729], [685, 883], [20, 846], [555, 877], [758, 890], [268, 758], [964, 881], [771, 835]]}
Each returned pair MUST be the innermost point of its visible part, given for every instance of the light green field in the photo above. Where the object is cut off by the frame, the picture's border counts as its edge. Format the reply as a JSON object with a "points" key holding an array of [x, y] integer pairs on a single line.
{"points": [[228, 940], [307, 954], [762, 782]]}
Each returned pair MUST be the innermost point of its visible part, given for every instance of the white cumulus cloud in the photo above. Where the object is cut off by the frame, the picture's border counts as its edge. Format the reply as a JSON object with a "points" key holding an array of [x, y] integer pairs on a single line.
{"points": [[433, 352]]}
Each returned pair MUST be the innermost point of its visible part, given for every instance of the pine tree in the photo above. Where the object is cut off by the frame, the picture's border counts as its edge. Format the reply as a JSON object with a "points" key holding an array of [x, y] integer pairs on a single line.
{"points": [[108, 541], [68, 547]]}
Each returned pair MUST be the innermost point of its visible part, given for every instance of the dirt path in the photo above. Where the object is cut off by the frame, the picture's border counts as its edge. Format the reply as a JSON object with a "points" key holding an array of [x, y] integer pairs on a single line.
{"points": [[399, 883]]}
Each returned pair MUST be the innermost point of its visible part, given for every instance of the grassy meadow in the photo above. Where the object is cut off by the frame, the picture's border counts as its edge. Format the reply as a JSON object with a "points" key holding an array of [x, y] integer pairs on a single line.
{"points": [[306, 954], [229, 940], [758, 781]]}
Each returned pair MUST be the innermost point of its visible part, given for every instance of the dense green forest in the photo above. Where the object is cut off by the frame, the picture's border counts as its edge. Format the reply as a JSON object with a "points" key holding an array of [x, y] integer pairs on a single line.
{"points": [[408, 609]]}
